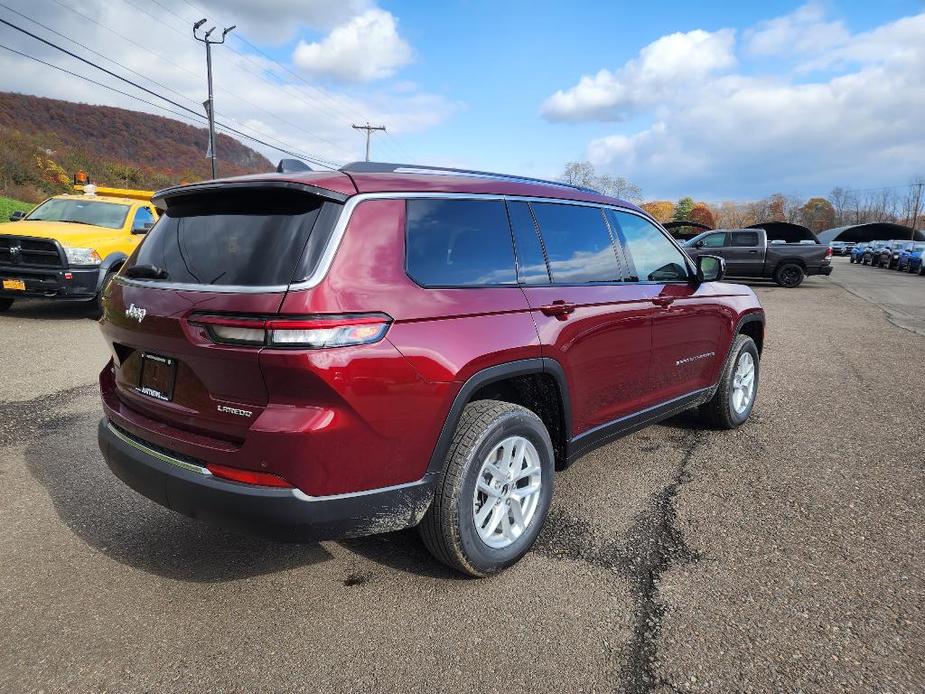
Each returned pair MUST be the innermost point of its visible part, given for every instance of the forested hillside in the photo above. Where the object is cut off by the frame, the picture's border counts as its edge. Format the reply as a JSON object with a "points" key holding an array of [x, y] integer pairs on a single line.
{"points": [[43, 141]]}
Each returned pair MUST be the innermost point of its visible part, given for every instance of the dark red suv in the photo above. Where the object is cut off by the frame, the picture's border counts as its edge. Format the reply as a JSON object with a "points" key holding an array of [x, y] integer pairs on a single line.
{"points": [[332, 354]]}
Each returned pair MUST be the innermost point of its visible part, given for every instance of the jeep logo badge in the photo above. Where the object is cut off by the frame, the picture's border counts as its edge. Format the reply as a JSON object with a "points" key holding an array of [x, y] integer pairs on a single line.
{"points": [[135, 312]]}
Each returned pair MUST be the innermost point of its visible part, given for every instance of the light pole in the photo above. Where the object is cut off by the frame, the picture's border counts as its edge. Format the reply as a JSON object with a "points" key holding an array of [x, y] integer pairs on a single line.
{"points": [[209, 104]]}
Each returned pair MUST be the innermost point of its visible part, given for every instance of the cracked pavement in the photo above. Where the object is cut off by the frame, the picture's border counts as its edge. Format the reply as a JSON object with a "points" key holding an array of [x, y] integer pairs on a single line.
{"points": [[784, 556]]}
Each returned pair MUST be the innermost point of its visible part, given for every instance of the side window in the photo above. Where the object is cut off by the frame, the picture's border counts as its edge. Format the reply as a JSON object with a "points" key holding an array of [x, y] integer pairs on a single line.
{"points": [[531, 263], [656, 259], [454, 243], [577, 243], [143, 217], [745, 238], [714, 240]]}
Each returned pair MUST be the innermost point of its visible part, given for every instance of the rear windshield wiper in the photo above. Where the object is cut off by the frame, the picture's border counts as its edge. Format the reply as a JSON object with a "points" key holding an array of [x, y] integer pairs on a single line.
{"points": [[147, 272]]}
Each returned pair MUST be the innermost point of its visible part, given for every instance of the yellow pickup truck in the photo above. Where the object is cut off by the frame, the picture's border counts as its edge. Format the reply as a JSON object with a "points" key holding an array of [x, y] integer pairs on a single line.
{"points": [[69, 246]]}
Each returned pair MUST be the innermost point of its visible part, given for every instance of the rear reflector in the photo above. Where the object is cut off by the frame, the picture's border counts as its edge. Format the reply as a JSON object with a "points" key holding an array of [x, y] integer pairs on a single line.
{"points": [[260, 479], [310, 332]]}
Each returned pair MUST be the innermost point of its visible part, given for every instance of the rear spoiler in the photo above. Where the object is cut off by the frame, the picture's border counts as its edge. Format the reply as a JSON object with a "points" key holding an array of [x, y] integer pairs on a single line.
{"points": [[163, 198]]}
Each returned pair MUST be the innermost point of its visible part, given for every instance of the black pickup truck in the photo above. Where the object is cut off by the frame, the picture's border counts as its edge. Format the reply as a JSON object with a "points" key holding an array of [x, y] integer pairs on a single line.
{"points": [[749, 254]]}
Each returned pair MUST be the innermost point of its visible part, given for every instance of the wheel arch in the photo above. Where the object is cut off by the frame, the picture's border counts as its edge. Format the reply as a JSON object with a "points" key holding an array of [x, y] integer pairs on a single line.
{"points": [[524, 382], [113, 261]]}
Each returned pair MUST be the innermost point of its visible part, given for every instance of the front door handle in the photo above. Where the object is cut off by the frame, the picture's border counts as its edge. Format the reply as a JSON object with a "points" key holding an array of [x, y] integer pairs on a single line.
{"points": [[753, 252], [558, 308], [663, 300]]}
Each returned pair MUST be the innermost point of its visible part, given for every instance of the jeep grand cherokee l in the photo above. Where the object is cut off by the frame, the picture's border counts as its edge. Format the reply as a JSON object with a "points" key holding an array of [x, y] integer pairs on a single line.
{"points": [[332, 354]]}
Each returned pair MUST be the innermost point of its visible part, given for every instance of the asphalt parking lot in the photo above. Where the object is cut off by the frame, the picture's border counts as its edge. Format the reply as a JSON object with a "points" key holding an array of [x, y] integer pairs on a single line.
{"points": [[784, 556]]}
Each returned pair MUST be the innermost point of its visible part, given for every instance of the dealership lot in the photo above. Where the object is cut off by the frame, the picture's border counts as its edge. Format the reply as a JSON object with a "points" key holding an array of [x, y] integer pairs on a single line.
{"points": [[783, 555]]}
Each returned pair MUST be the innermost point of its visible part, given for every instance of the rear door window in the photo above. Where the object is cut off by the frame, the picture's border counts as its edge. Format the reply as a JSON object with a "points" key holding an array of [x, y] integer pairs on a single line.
{"points": [[531, 262], [459, 243], [745, 239], [250, 238], [578, 244]]}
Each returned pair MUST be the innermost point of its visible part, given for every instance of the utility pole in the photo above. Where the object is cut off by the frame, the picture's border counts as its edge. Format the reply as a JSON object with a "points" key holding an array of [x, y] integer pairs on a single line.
{"points": [[369, 131], [209, 104]]}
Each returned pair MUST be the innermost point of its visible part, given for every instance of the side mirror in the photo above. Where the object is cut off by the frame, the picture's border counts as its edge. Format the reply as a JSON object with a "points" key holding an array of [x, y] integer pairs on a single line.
{"points": [[699, 244], [17, 215], [710, 268]]}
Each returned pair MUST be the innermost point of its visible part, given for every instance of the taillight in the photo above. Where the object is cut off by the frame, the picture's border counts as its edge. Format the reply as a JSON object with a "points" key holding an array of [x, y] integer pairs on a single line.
{"points": [[828, 252], [303, 332], [261, 479]]}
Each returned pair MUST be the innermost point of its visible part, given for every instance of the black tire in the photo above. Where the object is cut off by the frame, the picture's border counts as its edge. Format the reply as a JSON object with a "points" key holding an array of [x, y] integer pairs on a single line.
{"points": [[448, 528], [789, 275], [5, 304], [719, 412], [98, 302]]}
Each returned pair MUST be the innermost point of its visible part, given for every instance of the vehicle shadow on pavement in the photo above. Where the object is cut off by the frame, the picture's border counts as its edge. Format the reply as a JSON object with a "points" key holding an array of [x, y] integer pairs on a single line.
{"points": [[136, 532], [52, 310], [401, 551]]}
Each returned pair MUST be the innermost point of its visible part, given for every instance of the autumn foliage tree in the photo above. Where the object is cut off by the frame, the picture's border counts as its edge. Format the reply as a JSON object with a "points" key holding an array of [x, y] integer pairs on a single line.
{"points": [[818, 214], [702, 214], [662, 210]]}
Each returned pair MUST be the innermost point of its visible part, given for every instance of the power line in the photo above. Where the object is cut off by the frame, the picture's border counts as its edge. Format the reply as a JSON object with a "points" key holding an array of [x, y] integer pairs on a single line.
{"points": [[232, 94], [369, 131], [227, 128], [329, 99]]}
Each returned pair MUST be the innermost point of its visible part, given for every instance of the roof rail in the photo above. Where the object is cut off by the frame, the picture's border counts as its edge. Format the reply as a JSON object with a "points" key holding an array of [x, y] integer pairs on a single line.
{"points": [[383, 167]]}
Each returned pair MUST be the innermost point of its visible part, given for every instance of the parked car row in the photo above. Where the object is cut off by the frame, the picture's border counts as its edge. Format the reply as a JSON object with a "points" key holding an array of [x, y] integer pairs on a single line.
{"points": [[903, 255], [842, 247]]}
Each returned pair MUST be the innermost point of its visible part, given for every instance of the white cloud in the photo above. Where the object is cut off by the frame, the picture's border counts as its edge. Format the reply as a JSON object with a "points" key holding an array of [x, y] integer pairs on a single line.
{"points": [[661, 69], [365, 48], [740, 134], [278, 20], [306, 117], [804, 31]]}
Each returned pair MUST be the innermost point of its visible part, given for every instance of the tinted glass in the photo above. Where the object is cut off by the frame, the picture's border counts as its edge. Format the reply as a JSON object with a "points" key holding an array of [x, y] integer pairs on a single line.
{"points": [[142, 216], [531, 263], [655, 258], [454, 243], [714, 240], [250, 239], [80, 211], [577, 243], [745, 238]]}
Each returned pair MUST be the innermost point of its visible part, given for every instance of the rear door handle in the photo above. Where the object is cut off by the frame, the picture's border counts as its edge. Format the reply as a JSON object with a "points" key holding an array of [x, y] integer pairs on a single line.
{"points": [[753, 251], [558, 308], [663, 300]]}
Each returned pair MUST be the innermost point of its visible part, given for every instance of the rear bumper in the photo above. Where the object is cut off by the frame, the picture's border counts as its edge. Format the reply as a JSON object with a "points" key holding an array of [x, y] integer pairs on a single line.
{"points": [[188, 488], [53, 283], [821, 270]]}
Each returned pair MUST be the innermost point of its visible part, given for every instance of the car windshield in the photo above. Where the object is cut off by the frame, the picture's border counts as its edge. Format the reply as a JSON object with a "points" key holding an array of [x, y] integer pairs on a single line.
{"points": [[79, 211]]}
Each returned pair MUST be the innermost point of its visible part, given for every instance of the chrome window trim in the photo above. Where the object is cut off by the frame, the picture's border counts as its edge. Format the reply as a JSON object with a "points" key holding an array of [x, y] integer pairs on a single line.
{"points": [[340, 227]]}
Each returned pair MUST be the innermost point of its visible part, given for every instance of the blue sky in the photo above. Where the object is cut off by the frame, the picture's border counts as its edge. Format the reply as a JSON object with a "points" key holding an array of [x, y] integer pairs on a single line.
{"points": [[726, 100]]}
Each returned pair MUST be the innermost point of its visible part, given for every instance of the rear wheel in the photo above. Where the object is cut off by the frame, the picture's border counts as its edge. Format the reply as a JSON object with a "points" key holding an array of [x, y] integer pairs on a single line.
{"points": [[495, 490], [734, 399], [789, 275], [98, 302], [5, 304]]}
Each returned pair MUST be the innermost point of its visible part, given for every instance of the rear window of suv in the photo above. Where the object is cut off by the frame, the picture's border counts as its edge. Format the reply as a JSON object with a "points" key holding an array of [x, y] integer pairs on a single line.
{"points": [[248, 238], [456, 243]]}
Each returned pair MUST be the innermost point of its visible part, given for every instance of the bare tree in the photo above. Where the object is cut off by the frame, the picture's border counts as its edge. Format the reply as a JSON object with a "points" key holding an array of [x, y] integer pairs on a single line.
{"points": [[582, 173]]}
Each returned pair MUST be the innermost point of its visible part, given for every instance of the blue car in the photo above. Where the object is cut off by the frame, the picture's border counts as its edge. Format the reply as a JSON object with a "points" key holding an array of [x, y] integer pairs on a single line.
{"points": [[912, 258], [857, 253]]}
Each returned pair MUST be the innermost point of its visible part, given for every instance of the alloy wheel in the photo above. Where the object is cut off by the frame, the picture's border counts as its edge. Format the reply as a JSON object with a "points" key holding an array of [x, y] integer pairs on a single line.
{"points": [[507, 492], [743, 383]]}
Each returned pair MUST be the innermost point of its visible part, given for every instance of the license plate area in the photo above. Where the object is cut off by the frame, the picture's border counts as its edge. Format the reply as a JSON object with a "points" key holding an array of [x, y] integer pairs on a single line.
{"points": [[157, 377], [14, 285]]}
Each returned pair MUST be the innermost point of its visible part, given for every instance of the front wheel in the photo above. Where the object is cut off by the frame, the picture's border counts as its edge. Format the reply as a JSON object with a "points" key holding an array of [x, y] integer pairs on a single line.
{"points": [[5, 304], [494, 493], [789, 275], [734, 399]]}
